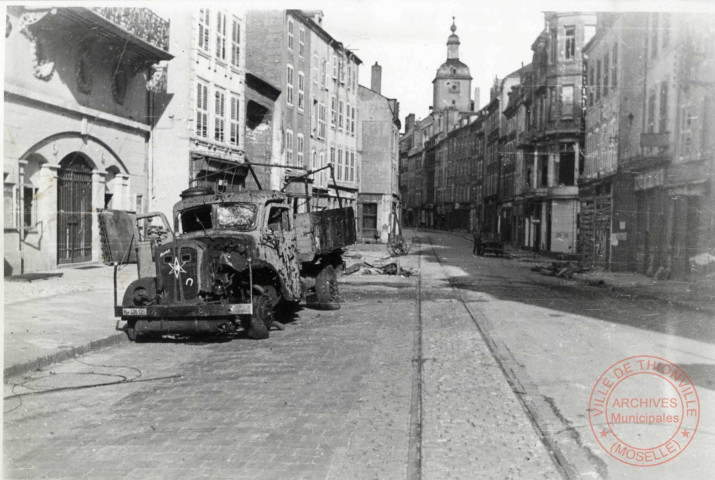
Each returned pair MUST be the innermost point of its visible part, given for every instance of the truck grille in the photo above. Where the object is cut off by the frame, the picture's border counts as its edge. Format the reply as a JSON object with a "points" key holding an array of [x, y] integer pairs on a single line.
{"points": [[179, 272]]}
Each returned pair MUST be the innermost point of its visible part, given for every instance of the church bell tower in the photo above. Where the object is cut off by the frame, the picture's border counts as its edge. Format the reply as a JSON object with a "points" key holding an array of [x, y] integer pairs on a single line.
{"points": [[453, 83]]}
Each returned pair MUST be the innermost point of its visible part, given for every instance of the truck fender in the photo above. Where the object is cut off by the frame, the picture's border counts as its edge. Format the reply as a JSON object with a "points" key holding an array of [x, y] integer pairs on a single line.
{"points": [[140, 292]]}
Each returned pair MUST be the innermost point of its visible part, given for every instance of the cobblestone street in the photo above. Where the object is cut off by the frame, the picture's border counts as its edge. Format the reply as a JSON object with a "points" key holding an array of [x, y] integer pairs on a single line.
{"points": [[433, 376]]}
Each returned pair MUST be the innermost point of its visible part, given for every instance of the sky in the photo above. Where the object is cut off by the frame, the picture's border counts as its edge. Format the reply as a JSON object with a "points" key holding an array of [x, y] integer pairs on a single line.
{"points": [[408, 37]]}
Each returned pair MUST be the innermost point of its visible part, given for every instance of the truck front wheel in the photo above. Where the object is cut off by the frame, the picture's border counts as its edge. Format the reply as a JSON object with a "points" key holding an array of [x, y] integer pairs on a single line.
{"points": [[326, 289], [260, 322]]}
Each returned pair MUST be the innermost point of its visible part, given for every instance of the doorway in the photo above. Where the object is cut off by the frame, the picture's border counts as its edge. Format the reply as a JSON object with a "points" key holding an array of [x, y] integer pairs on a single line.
{"points": [[74, 210]]}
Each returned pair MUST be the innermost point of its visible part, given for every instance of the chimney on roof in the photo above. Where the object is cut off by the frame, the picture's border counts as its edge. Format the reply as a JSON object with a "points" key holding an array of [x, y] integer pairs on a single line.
{"points": [[409, 122], [376, 78]]}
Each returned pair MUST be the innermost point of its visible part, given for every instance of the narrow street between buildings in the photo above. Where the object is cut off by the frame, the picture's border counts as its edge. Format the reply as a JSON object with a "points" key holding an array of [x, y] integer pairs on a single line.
{"points": [[475, 368]]}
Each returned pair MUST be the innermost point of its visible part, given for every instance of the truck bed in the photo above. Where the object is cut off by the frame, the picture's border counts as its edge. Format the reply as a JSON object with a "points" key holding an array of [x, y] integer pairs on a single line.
{"points": [[319, 233]]}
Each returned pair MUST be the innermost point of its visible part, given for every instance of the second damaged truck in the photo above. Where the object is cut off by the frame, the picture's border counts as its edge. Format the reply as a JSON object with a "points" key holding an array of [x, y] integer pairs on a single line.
{"points": [[232, 259]]}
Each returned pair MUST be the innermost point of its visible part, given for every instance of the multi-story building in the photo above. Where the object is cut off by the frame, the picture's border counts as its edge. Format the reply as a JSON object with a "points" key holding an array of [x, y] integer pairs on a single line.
{"points": [[378, 142], [614, 100], [477, 143], [554, 136], [515, 118], [406, 174], [673, 175], [199, 138], [490, 197], [280, 50], [84, 73]]}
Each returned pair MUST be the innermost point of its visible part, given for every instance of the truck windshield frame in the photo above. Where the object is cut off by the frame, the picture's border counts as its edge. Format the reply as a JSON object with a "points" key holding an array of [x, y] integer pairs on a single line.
{"points": [[236, 216], [196, 219]]}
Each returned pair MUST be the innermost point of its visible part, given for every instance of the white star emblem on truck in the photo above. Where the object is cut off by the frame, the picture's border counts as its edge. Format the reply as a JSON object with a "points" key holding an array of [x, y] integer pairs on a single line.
{"points": [[177, 268]]}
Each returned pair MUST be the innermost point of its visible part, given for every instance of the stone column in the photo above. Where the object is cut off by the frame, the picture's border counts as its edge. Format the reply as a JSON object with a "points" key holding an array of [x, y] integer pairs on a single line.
{"points": [[534, 170], [98, 190], [550, 172], [47, 213], [121, 200]]}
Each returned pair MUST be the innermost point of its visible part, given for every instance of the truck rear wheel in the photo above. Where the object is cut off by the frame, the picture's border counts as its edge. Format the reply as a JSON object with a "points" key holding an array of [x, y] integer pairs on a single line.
{"points": [[326, 289]]}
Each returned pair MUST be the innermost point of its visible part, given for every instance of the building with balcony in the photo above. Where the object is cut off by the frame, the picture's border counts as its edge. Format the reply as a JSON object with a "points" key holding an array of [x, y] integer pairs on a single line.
{"points": [[378, 146], [554, 136], [78, 124], [673, 173], [290, 49]]}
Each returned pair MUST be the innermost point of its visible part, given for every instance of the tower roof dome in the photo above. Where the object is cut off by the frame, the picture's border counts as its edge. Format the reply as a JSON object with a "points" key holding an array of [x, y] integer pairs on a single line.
{"points": [[453, 68]]}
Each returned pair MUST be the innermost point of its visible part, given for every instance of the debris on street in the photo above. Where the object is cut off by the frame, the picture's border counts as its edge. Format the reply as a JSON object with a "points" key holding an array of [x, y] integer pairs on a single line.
{"points": [[559, 269], [389, 268]]}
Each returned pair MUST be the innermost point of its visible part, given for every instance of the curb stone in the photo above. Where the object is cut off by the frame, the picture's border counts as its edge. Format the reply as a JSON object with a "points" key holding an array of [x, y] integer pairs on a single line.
{"points": [[65, 354]]}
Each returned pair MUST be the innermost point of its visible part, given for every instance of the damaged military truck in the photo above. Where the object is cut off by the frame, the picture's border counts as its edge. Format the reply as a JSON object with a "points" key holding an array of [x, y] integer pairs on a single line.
{"points": [[231, 259]]}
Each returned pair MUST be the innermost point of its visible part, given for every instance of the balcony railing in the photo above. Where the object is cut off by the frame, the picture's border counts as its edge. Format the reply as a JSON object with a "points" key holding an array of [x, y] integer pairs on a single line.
{"points": [[140, 22]]}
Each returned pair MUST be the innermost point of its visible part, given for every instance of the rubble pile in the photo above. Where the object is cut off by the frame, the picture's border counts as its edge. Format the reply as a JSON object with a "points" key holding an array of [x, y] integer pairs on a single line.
{"points": [[559, 269], [386, 267]]}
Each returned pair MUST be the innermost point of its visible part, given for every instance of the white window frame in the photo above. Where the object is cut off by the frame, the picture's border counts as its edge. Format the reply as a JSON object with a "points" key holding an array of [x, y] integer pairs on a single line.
{"points": [[341, 108], [352, 121], [335, 67], [289, 84], [220, 35], [321, 121], [570, 43], [300, 148], [333, 111], [301, 91], [289, 146], [340, 164], [301, 41], [236, 42], [324, 74], [352, 166], [313, 117], [290, 34], [204, 29], [201, 121], [234, 133], [220, 115], [314, 69], [333, 158]]}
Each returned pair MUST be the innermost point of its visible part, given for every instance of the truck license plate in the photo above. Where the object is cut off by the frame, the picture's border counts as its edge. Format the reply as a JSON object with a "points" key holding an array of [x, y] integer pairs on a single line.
{"points": [[134, 311]]}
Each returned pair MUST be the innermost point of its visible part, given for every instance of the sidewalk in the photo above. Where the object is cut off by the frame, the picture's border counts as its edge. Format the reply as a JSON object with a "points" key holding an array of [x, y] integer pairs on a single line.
{"points": [[46, 321], [51, 320]]}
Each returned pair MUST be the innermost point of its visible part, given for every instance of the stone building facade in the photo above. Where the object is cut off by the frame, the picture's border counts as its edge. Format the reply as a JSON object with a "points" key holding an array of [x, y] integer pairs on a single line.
{"points": [[291, 50], [87, 74], [614, 102], [673, 173], [378, 136], [553, 139], [199, 139]]}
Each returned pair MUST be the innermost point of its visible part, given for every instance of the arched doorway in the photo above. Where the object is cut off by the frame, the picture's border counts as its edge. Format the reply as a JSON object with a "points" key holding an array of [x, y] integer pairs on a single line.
{"points": [[74, 210]]}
